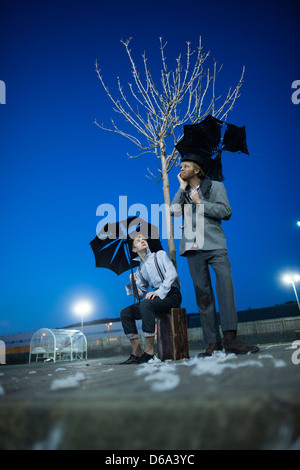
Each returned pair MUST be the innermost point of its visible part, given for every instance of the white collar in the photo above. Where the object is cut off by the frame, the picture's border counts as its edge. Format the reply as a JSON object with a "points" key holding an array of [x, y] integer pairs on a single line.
{"points": [[138, 258]]}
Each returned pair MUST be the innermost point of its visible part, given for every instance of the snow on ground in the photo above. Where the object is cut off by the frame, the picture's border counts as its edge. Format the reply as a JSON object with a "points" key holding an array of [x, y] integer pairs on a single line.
{"points": [[68, 382], [164, 376]]}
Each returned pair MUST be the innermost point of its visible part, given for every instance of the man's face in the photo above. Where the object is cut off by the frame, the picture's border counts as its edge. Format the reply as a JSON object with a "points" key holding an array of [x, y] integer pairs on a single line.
{"points": [[139, 244], [187, 171]]}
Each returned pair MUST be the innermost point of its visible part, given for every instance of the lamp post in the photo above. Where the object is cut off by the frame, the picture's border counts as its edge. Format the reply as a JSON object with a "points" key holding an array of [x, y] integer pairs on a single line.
{"points": [[291, 279], [82, 307], [108, 325]]}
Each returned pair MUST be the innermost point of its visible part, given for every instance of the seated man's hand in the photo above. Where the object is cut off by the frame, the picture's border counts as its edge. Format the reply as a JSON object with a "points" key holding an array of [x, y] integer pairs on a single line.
{"points": [[151, 295]]}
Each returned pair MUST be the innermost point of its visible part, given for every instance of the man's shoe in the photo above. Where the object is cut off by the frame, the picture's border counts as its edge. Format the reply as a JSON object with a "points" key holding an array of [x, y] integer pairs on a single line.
{"points": [[212, 347], [232, 344], [131, 360], [238, 347], [145, 357]]}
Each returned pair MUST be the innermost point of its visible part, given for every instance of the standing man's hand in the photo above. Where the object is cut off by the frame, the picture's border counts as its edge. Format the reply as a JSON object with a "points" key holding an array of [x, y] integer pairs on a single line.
{"points": [[195, 197], [183, 184]]}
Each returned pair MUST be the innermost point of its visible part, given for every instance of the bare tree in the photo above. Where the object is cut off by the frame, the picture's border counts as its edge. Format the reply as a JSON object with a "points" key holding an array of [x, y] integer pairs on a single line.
{"points": [[158, 113]]}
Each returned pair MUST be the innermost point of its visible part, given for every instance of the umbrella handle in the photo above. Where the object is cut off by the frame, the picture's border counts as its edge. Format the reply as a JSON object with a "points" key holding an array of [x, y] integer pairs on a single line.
{"points": [[133, 283], [134, 287]]}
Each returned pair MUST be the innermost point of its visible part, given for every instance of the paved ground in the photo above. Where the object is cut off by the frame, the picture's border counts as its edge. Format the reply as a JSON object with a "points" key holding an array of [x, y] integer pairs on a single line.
{"points": [[223, 402]]}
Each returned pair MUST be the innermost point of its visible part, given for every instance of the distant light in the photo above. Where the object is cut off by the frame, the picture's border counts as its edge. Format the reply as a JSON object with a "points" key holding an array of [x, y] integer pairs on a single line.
{"points": [[108, 325], [290, 278], [287, 279], [83, 307], [298, 223]]}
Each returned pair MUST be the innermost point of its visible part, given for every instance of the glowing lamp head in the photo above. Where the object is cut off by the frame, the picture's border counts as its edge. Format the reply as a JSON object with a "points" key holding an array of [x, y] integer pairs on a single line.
{"points": [[83, 307], [290, 278]]}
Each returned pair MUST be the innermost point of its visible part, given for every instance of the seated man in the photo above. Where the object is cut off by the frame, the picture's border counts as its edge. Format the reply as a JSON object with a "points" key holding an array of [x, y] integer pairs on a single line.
{"points": [[157, 271]]}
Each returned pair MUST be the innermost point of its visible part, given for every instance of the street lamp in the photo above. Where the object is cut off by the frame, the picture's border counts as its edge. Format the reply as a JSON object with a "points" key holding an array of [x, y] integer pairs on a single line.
{"points": [[108, 325], [82, 307], [291, 279]]}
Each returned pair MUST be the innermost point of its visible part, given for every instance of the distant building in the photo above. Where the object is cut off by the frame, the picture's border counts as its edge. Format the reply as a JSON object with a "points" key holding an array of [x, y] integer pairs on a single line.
{"points": [[109, 329]]}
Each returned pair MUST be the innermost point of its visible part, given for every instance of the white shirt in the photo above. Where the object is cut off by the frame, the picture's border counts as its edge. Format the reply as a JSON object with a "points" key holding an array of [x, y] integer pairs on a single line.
{"points": [[148, 275]]}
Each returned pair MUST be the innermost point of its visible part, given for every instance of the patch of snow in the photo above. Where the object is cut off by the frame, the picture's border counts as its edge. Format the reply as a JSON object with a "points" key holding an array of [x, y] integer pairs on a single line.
{"points": [[155, 360], [162, 381], [68, 382], [216, 364], [265, 356], [283, 439], [52, 441], [161, 375], [276, 362]]}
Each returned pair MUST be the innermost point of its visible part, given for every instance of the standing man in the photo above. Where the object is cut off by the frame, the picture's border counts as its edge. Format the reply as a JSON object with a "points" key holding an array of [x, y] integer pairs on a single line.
{"points": [[203, 243], [157, 271]]}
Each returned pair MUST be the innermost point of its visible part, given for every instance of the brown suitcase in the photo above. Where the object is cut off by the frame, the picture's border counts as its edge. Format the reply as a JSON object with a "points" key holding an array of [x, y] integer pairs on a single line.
{"points": [[172, 337]]}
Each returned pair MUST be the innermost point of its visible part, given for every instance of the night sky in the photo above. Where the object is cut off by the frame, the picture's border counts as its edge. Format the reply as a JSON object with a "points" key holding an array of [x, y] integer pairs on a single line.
{"points": [[57, 166]]}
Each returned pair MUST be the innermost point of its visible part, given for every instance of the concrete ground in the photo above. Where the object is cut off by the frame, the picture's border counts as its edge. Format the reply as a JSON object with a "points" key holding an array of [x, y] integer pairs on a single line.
{"points": [[223, 402]]}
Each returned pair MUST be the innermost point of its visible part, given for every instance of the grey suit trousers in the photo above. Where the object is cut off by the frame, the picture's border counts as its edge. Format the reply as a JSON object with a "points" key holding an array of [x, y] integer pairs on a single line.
{"points": [[199, 262]]}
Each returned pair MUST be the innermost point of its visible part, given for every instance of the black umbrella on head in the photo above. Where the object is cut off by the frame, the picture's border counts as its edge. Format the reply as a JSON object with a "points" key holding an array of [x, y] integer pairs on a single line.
{"points": [[112, 247], [204, 140]]}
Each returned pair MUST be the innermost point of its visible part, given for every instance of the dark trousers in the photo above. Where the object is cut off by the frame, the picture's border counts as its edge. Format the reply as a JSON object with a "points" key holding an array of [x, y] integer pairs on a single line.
{"points": [[199, 262], [146, 311]]}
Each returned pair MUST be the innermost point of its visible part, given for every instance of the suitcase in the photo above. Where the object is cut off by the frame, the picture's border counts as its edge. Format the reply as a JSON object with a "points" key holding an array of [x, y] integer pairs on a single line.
{"points": [[172, 337]]}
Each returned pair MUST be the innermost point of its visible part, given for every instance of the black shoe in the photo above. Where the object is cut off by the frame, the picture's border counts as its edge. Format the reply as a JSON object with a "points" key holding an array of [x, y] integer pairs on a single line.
{"points": [[145, 357], [131, 360]]}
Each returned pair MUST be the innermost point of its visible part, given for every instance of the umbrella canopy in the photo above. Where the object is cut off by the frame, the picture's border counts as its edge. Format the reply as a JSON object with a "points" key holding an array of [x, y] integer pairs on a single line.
{"points": [[234, 139], [203, 140], [112, 246]]}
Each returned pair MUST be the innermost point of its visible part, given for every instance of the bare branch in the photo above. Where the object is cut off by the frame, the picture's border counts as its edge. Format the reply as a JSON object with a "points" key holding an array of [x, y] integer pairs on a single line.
{"points": [[158, 109]]}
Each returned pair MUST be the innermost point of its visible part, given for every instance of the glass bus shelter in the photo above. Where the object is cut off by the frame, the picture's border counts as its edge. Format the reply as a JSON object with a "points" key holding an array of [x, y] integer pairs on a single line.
{"points": [[57, 345]]}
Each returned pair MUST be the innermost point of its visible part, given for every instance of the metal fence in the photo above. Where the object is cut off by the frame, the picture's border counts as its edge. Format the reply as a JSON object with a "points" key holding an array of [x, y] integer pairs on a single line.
{"points": [[277, 325]]}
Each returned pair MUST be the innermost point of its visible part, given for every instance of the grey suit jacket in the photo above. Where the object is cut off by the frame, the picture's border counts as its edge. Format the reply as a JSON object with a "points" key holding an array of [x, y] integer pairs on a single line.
{"points": [[202, 227]]}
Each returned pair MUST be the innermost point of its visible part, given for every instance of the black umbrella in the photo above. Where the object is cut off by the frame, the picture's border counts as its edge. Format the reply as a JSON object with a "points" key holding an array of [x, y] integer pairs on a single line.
{"points": [[112, 246], [204, 140]]}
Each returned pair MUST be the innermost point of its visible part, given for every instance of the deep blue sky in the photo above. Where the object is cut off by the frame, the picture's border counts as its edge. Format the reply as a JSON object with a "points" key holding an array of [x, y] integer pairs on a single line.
{"points": [[57, 166]]}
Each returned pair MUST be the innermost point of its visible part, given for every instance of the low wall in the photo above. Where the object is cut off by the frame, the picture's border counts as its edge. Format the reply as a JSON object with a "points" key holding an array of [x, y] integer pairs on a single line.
{"points": [[263, 331], [278, 325], [260, 332]]}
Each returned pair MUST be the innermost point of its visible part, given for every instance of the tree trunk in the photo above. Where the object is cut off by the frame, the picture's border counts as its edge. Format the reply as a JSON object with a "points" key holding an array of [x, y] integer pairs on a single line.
{"points": [[167, 201]]}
